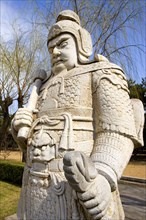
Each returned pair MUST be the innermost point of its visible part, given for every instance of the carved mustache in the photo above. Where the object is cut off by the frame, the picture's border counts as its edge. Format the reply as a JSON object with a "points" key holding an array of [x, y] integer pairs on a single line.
{"points": [[55, 61]]}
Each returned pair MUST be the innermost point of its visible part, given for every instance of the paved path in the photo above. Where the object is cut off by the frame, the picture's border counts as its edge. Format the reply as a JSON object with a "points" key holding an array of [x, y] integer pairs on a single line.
{"points": [[133, 198]]}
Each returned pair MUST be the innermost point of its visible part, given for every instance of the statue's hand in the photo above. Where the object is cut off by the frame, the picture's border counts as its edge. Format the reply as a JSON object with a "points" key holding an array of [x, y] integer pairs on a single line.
{"points": [[97, 198], [93, 190], [23, 117], [79, 170]]}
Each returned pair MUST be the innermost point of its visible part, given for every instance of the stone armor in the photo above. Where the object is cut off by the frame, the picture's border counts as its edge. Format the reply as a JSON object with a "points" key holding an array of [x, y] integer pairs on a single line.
{"points": [[95, 118]]}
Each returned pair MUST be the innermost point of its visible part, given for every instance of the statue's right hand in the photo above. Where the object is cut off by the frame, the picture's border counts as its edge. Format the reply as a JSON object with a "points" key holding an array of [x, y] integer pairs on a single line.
{"points": [[23, 117]]}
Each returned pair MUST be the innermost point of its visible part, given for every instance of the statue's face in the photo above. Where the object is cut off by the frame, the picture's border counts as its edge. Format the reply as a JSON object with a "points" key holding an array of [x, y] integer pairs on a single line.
{"points": [[63, 53]]}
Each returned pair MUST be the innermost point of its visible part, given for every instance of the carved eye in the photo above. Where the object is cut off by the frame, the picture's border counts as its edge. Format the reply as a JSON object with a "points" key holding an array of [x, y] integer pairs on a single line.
{"points": [[51, 50], [63, 44]]}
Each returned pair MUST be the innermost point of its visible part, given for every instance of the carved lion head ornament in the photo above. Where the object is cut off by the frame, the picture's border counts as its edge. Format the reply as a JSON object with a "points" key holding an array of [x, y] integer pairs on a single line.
{"points": [[69, 22]]}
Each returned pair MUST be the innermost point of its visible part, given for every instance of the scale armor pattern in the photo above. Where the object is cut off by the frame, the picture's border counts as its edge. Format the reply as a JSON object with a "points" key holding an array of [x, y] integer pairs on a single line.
{"points": [[114, 112]]}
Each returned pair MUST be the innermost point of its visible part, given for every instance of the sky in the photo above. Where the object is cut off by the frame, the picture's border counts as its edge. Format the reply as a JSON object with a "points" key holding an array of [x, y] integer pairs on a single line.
{"points": [[13, 9]]}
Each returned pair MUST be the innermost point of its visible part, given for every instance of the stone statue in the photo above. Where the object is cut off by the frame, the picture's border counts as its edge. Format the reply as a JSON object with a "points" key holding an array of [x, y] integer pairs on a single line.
{"points": [[79, 132]]}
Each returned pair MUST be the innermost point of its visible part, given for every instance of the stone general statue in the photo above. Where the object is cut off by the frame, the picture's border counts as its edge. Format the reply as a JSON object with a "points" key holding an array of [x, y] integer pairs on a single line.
{"points": [[81, 131]]}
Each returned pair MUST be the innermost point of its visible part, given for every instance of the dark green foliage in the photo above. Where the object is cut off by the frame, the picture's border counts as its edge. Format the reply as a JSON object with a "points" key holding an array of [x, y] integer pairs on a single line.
{"points": [[139, 91], [144, 133], [11, 172]]}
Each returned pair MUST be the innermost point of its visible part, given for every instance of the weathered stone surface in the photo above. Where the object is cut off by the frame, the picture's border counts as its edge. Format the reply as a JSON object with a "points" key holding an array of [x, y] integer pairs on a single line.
{"points": [[81, 131], [133, 196]]}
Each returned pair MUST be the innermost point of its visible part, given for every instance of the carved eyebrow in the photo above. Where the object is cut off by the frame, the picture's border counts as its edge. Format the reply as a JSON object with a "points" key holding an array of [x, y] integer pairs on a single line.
{"points": [[59, 42]]}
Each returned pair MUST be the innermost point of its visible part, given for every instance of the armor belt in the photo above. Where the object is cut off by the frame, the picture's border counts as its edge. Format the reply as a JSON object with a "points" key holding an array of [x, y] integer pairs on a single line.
{"points": [[66, 123], [75, 112], [42, 169]]}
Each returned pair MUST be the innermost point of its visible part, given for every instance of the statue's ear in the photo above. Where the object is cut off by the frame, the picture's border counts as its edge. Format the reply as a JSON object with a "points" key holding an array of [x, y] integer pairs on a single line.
{"points": [[86, 42]]}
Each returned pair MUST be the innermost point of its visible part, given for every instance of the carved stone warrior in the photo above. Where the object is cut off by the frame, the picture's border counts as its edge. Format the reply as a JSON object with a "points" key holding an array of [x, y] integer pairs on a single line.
{"points": [[82, 132]]}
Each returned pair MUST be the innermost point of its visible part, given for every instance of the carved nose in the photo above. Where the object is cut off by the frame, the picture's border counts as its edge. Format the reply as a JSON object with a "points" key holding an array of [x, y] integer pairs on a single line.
{"points": [[56, 51]]}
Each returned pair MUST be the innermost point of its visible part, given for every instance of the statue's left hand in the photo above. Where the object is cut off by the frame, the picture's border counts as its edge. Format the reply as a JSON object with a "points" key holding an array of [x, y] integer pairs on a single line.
{"points": [[93, 190]]}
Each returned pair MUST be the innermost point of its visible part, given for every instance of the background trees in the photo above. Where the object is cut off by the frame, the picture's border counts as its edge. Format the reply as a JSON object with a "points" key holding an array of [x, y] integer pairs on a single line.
{"points": [[117, 29], [138, 90], [19, 59]]}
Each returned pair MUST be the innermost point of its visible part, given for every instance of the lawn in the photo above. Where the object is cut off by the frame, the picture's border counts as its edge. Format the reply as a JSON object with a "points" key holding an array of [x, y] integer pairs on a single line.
{"points": [[9, 195]]}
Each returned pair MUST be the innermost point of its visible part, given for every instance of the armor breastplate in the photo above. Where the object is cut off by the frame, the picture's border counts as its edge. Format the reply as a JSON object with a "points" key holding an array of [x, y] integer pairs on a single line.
{"points": [[64, 120], [72, 94]]}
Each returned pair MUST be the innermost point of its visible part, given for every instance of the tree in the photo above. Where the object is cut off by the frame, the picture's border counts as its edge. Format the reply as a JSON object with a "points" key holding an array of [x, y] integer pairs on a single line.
{"points": [[20, 58], [138, 90], [114, 25]]}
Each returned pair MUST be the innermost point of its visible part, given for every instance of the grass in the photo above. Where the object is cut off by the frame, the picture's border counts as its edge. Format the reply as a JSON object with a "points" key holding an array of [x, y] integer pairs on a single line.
{"points": [[12, 162], [9, 195]]}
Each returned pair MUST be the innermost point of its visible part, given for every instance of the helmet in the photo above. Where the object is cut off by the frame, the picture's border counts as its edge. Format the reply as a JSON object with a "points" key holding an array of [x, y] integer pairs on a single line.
{"points": [[69, 22]]}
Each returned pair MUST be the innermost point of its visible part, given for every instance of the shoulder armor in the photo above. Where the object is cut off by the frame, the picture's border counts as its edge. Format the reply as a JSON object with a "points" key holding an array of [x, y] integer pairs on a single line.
{"points": [[114, 111], [113, 75]]}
